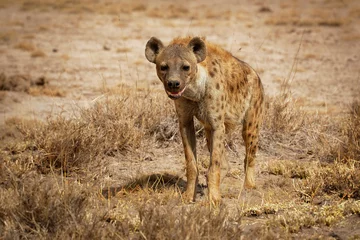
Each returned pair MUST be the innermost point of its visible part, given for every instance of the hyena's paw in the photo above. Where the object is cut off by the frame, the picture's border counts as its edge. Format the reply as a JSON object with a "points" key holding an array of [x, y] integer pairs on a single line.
{"points": [[188, 196], [250, 178], [214, 198]]}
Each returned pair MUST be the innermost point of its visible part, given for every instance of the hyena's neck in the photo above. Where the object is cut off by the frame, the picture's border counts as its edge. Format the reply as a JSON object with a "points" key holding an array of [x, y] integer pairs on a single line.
{"points": [[195, 91]]}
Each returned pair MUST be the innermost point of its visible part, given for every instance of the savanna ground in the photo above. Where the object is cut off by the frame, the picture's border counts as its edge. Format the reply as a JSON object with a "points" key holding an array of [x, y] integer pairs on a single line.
{"points": [[89, 146]]}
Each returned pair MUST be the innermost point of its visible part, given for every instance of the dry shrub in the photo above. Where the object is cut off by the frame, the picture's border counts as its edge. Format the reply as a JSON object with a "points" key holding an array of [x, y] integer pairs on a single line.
{"points": [[33, 86], [18, 83], [33, 206], [288, 218], [339, 178], [43, 208], [352, 129], [110, 126], [285, 128], [337, 137], [157, 116], [166, 130], [261, 210], [106, 128], [305, 216], [282, 116], [187, 222], [329, 139], [289, 128], [332, 140], [291, 169]]}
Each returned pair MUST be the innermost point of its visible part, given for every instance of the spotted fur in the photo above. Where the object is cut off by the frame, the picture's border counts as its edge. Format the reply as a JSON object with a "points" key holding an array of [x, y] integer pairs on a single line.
{"points": [[221, 91]]}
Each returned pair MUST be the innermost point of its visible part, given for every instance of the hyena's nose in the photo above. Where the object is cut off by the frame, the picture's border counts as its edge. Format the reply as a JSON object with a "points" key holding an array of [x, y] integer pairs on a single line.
{"points": [[174, 84]]}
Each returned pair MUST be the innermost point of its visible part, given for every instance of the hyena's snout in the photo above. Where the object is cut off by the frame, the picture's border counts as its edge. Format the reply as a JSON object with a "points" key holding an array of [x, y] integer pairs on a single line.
{"points": [[174, 88], [173, 85]]}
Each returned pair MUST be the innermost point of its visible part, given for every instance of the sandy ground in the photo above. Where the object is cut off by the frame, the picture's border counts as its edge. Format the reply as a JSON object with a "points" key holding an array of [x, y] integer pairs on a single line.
{"points": [[85, 52], [313, 44]]}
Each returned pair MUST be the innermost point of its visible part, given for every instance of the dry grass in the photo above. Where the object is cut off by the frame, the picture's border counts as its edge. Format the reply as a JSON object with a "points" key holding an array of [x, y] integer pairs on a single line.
{"points": [[351, 36], [28, 36], [30, 47], [315, 18], [26, 46], [187, 223], [44, 28], [38, 53], [26, 83], [53, 172], [87, 6], [18, 83], [297, 217], [7, 36], [351, 145], [57, 165], [43, 207], [47, 91], [54, 164], [47, 207], [65, 57], [2, 95], [123, 50], [68, 144], [173, 11], [54, 182]]}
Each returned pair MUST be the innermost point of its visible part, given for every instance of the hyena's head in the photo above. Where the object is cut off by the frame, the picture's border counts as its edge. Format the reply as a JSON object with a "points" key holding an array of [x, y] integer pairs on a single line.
{"points": [[176, 64]]}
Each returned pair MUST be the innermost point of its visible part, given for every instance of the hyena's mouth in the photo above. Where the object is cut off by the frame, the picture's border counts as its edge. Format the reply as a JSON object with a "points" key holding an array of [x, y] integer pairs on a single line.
{"points": [[175, 95]]}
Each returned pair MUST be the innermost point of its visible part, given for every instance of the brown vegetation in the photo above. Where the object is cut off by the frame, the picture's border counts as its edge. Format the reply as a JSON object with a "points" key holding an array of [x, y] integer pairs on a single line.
{"points": [[26, 83], [25, 46], [314, 18], [42, 193], [38, 53]]}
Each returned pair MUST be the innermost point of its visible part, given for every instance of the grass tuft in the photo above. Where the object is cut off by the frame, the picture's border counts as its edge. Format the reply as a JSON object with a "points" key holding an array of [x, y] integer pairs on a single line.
{"points": [[26, 46]]}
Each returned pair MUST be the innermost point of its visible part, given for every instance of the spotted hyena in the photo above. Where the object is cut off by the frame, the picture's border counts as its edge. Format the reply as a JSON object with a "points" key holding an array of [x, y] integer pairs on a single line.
{"points": [[221, 91]]}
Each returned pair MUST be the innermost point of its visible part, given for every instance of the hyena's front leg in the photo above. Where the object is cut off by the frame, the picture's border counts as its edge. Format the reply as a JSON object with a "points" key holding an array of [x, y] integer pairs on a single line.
{"points": [[187, 131], [224, 165], [217, 155]]}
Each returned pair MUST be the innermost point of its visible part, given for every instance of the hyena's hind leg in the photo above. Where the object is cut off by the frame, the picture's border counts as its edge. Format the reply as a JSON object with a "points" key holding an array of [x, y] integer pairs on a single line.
{"points": [[251, 127]]}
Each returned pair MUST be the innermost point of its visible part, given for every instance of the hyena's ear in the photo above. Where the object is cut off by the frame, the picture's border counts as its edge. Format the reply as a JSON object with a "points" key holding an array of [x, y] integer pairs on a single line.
{"points": [[199, 48], [153, 47]]}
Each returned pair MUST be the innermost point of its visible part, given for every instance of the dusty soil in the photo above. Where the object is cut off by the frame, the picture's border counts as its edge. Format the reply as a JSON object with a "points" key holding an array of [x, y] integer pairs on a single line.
{"points": [[83, 52]]}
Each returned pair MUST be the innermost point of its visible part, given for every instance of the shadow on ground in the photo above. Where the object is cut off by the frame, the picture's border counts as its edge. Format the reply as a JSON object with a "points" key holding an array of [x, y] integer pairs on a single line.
{"points": [[156, 181]]}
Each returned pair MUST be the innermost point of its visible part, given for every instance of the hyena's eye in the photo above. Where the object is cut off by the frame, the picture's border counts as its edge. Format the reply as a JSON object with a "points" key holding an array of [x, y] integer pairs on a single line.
{"points": [[164, 67], [186, 68]]}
